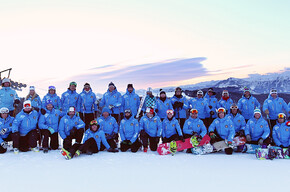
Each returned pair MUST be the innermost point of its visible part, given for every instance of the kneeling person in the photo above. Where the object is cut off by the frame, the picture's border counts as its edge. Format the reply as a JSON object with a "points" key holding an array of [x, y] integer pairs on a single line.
{"points": [[281, 132], [170, 128], [5, 128]]}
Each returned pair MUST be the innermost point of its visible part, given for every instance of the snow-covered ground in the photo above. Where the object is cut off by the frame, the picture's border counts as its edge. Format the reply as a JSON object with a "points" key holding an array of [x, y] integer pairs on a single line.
{"points": [[32, 171]]}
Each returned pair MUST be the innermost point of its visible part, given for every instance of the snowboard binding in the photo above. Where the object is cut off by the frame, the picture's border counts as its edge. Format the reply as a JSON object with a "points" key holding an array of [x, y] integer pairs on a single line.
{"points": [[173, 147]]}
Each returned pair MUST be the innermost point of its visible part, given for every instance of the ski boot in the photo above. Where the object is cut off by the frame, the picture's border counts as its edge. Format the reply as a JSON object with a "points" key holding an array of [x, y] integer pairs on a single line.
{"points": [[194, 141], [35, 149], [45, 150], [173, 147], [16, 151], [145, 150], [66, 154], [78, 153]]}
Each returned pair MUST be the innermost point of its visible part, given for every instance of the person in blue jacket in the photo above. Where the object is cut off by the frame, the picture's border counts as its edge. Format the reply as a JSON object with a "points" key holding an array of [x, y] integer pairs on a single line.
{"points": [[24, 129], [238, 120], [162, 105], [222, 128], [92, 141], [130, 100], [274, 105], [226, 102], [201, 105], [52, 96], [8, 96], [257, 130], [48, 124], [34, 98], [150, 129], [70, 98], [129, 131], [171, 129], [112, 99], [180, 105], [71, 127], [193, 126], [87, 104], [247, 104], [213, 105], [281, 132], [110, 127], [5, 128]]}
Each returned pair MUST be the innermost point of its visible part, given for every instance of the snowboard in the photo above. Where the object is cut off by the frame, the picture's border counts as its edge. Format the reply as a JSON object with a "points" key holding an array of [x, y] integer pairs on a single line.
{"points": [[250, 148], [203, 147], [174, 146], [237, 141], [272, 153]]}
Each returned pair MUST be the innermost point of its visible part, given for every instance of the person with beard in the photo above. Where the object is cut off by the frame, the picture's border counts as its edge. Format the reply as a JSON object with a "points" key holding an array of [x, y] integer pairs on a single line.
{"points": [[180, 105], [24, 129], [130, 100], [70, 98], [87, 104], [171, 129], [52, 96], [226, 102], [129, 131], [92, 141], [163, 104], [213, 105], [151, 127], [34, 98], [5, 128], [222, 128]]}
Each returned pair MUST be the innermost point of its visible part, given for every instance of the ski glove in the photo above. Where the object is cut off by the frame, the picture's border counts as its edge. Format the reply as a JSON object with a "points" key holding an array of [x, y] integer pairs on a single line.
{"points": [[199, 138], [111, 106], [194, 134], [210, 107], [175, 105], [212, 135], [3, 131], [36, 109], [248, 137], [51, 130], [43, 111], [211, 113], [260, 142], [4, 145], [241, 133], [156, 110]]}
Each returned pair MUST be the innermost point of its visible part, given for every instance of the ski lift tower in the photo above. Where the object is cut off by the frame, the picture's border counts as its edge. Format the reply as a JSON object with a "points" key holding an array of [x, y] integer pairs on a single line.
{"points": [[14, 84]]}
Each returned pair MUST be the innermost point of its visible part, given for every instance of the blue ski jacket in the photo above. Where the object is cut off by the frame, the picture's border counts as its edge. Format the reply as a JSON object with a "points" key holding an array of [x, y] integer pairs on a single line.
{"points": [[247, 106], [69, 99], [257, 129], [170, 128], [131, 101], [201, 105], [238, 120], [99, 137], [6, 124], [152, 126], [194, 125], [50, 119], [224, 127], [212, 101], [87, 102], [35, 101], [112, 98], [109, 125], [275, 106], [281, 134], [163, 107], [55, 100], [67, 123], [226, 104], [25, 122], [7, 98], [129, 129], [180, 113]]}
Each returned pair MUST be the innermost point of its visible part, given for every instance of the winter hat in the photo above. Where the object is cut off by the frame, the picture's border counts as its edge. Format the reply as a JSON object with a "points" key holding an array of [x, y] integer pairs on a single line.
{"points": [[111, 83], [32, 88], [129, 85], [4, 110], [162, 92], [149, 110], [73, 83], [247, 89], [257, 110], [51, 87], [27, 104], [199, 92], [178, 89], [273, 91], [106, 109], [149, 89], [48, 102], [6, 80], [71, 109], [87, 84], [225, 91]]}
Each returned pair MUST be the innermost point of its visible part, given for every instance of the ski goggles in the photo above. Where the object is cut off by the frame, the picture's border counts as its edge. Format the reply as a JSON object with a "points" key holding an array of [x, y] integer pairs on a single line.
{"points": [[273, 91], [51, 88], [27, 105], [169, 111], [281, 116], [94, 122], [4, 110], [234, 107], [246, 89], [194, 111], [221, 110], [127, 111], [150, 110]]}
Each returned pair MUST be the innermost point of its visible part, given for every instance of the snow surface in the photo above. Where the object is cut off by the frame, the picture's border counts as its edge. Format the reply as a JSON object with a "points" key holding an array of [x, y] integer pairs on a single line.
{"points": [[125, 171]]}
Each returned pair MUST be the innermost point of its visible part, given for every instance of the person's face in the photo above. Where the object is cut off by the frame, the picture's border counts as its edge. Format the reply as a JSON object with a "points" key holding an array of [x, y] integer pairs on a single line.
{"points": [[193, 115], [199, 96], [87, 88], [226, 94], [162, 95], [130, 89], [49, 107], [169, 115], [127, 114], [210, 93], [31, 92], [257, 115], [247, 94], [221, 115], [105, 114], [178, 92], [51, 91], [7, 84], [111, 88], [4, 115], [234, 111], [149, 115], [72, 87], [274, 95], [94, 127], [27, 109], [71, 113], [281, 120], [149, 93]]}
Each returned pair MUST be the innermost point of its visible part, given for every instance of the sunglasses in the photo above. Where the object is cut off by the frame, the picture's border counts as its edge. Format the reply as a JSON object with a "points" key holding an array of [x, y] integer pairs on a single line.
{"points": [[27, 105], [234, 107], [127, 111]]}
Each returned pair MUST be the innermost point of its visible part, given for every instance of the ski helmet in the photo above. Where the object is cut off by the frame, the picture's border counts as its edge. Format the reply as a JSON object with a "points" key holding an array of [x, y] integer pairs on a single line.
{"points": [[4, 110]]}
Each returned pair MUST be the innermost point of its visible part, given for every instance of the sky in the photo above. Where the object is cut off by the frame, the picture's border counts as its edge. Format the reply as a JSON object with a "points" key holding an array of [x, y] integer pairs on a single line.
{"points": [[148, 43]]}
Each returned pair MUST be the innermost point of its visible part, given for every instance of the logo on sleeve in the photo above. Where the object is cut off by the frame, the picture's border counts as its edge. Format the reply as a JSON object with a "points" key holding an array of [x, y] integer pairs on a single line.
{"points": [[131, 124], [226, 126], [97, 136], [34, 117]]}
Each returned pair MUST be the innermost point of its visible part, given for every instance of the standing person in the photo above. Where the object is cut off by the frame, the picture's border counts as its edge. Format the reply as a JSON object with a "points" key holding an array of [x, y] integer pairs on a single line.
{"points": [[130, 100], [222, 128], [193, 126], [34, 98], [70, 98], [274, 105], [48, 124], [257, 130], [129, 131], [163, 104], [151, 128], [180, 105], [281, 133], [213, 105], [5, 128], [247, 104], [150, 100], [71, 127], [201, 105], [52, 96], [87, 104], [171, 129], [8, 96], [226, 102], [93, 139], [113, 100], [110, 127], [24, 129]]}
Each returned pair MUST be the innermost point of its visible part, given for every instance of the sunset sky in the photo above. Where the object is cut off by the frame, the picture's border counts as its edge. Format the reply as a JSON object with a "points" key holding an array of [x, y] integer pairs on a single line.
{"points": [[148, 43]]}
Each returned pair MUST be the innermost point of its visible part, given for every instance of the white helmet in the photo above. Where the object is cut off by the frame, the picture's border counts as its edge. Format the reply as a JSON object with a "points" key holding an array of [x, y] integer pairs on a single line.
{"points": [[4, 110]]}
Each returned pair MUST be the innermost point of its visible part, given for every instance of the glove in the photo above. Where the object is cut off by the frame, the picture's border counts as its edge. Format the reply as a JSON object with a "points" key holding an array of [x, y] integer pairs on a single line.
{"points": [[73, 131], [194, 134], [175, 105], [211, 113], [43, 111], [16, 102], [199, 138], [248, 137], [36, 109], [282, 146], [4, 145], [230, 144], [122, 115], [111, 106], [212, 135], [267, 112], [51, 130], [260, 142], [156, 110], [112, 150], [210, 107], [181, 138], [3, 131], [77, 114]]}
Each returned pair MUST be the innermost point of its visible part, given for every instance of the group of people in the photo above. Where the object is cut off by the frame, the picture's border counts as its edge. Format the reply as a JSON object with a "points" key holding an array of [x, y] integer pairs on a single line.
{"points": [[133, 122]]}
